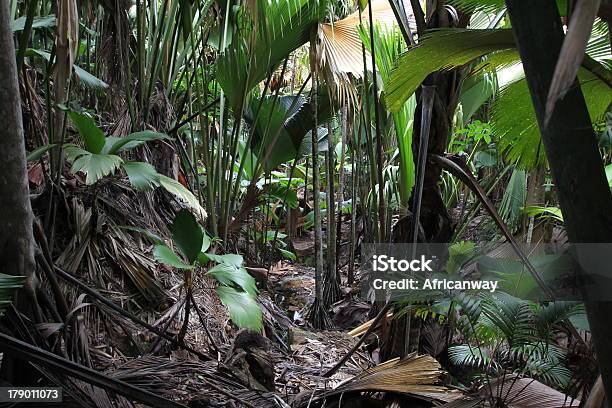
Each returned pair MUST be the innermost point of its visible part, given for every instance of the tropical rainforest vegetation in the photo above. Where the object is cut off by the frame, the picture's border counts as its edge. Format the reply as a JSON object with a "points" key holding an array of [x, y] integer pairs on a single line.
{"points": [[187, 187]]}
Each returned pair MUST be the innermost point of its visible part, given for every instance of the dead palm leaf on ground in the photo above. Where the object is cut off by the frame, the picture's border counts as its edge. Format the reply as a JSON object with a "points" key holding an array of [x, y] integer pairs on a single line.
{"points": [[514, 392], [418, 376]]}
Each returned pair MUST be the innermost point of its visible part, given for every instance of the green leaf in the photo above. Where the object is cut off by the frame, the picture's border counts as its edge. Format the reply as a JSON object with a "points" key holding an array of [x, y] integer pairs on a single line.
{"points": [[205, 242], [227, 259], [89, 80], [493, 6], [287, 254], [8, 285], [180, 191], [459, 253], [40, 22], [580, 322], [165, 255], [90, 133], [187, 235], [142, 176], [230, 275], [513, 201], [609, 174], [546, 212], [37, 153], [284, 193], [156, 239], [282, 127], [286, 27], [84, 76], [476, 90], [514, 122], [438, 50], [116, 145], [243, 309], [95, 166]]}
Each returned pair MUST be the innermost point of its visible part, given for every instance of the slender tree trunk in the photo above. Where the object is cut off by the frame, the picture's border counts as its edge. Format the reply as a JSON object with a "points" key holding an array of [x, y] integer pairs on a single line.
{"points": [[318, 313], [571, 148], [332, 284], [537, 230], [341, 181], [16, 235]]}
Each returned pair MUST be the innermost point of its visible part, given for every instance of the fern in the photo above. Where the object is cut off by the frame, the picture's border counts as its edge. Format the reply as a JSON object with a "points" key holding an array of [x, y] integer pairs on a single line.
{"points": [[466, 355]]}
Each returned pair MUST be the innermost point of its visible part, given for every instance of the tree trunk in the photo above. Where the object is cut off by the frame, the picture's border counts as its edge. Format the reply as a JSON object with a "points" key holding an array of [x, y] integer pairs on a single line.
{"points": [[434, 217], [571, 147], [16, 236], [332, 290]]}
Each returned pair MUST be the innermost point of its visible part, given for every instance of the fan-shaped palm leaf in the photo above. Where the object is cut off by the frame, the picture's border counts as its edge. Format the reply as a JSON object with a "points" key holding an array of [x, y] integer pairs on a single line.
{"points": [[341, 43]]}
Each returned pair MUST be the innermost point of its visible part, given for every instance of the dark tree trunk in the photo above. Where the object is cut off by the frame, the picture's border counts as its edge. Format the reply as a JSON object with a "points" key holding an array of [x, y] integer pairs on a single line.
{"points": [[435, 220], [571, 147], [16, 236]]}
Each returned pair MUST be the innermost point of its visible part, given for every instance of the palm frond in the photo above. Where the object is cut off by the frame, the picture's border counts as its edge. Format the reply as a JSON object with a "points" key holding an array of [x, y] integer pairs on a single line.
{"points": [[513, 118], [341, 43], [528, 393], [247, 61], [513, 201], [470, 356], [389, 46], [438, 50], [553, 313], [413, 375], [493, 5], [8, 285], [510, 315]]}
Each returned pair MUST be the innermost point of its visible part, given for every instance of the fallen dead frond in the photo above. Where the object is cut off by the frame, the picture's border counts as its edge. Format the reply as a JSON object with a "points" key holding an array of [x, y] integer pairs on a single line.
{"points": [[414, 375], [360, 330]]}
